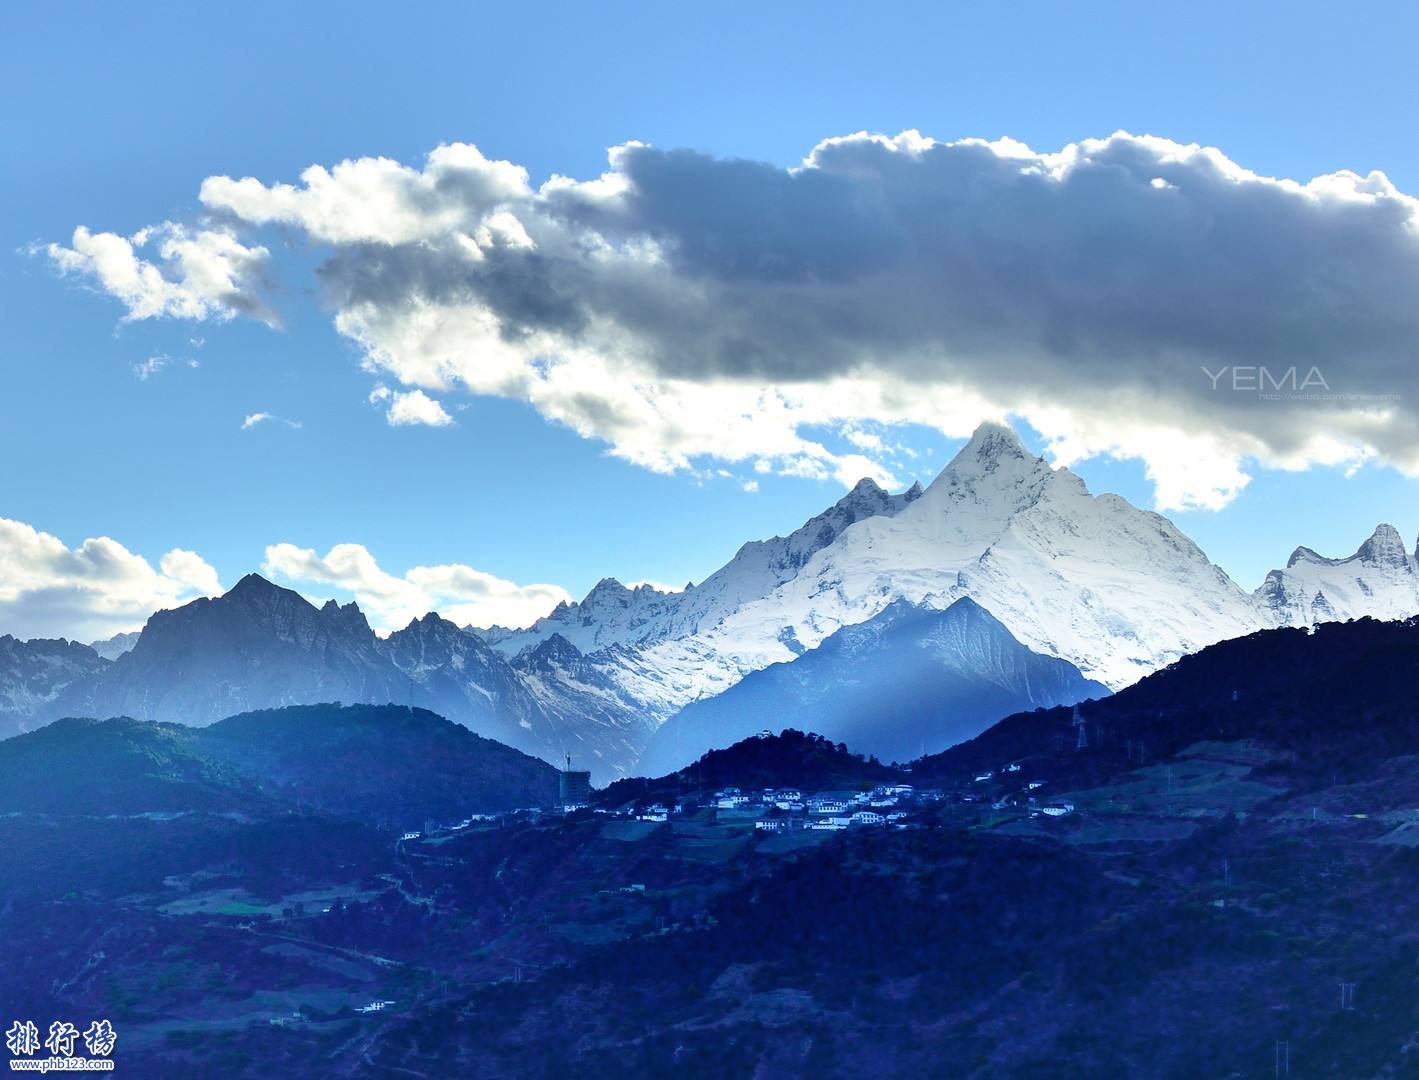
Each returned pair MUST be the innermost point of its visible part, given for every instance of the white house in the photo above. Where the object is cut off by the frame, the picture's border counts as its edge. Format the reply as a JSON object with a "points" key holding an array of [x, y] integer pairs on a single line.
{"points": [[867, 817]]}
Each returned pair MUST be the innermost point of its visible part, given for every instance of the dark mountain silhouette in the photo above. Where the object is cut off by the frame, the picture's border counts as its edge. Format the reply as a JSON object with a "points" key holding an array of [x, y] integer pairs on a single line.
{"points": [[385, 765], [790, 758], [1339, 696]]}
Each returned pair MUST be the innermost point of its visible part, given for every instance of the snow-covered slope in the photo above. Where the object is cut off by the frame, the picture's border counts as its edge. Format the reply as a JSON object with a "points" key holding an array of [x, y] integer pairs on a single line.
{"points": [[906, 682], [614, 614], [114, 647], [1380, 580], [1115, 590]]}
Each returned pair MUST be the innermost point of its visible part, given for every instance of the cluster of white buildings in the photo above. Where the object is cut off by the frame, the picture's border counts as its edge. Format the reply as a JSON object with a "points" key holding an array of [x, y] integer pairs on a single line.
{"points": [[781, 809]]}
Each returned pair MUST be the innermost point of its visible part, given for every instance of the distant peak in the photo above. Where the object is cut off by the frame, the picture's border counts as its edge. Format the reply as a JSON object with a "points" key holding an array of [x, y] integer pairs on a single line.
{"points": [[993, 447], [1385, 547], [256, 587], [555, 645], [1304, 554], [607, 586], [991, 441], [865, 496], [432, 622], [914, 491], [252, 582]]}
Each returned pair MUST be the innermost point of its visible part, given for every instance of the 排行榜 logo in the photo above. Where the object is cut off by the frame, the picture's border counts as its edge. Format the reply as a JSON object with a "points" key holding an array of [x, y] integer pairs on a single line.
{"points": [[25, 1042]]}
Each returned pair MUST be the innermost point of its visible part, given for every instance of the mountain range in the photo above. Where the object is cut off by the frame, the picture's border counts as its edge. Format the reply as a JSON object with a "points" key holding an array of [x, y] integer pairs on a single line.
{"points": [[1090, 582], [1226, 864]]}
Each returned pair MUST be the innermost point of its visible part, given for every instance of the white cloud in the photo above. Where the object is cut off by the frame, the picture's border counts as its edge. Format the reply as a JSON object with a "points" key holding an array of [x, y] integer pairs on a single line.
{"points": [[864, 440], [201, 274], [257, 418], [146, 369], [90, 592], [459, 593], [190, 569], [379, 201], [686, 309], [416, 407]]}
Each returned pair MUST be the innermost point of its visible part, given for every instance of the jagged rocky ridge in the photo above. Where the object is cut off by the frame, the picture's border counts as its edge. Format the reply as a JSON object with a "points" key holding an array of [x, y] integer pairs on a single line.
{"points": [[261, 646], [1115, 591], [34, 674]]}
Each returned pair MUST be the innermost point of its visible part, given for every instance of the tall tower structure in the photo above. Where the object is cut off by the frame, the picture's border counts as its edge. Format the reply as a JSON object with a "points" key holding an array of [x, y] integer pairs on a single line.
{"points": [[573, 787]]}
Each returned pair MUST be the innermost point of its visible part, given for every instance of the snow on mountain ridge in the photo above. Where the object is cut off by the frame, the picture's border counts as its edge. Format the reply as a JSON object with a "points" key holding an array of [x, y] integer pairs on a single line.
{"points": [[1114, 590], [1380, 580], [114, 647], [611, 613]]}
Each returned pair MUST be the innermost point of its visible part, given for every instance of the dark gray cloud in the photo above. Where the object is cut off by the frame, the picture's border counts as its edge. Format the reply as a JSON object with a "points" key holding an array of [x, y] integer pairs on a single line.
{"points": [[1123, 294]]}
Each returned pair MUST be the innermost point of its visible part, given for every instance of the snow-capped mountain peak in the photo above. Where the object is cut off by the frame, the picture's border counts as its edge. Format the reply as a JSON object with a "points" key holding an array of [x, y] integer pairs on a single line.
{"points": [[1115, 590], [1381, 580], [989, 445], [612, 613], [1385, 547], [1089, 579]]}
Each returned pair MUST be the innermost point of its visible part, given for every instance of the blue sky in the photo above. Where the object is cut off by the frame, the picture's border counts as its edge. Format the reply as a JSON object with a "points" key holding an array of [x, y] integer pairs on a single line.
{"points": [[117, 116]]}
